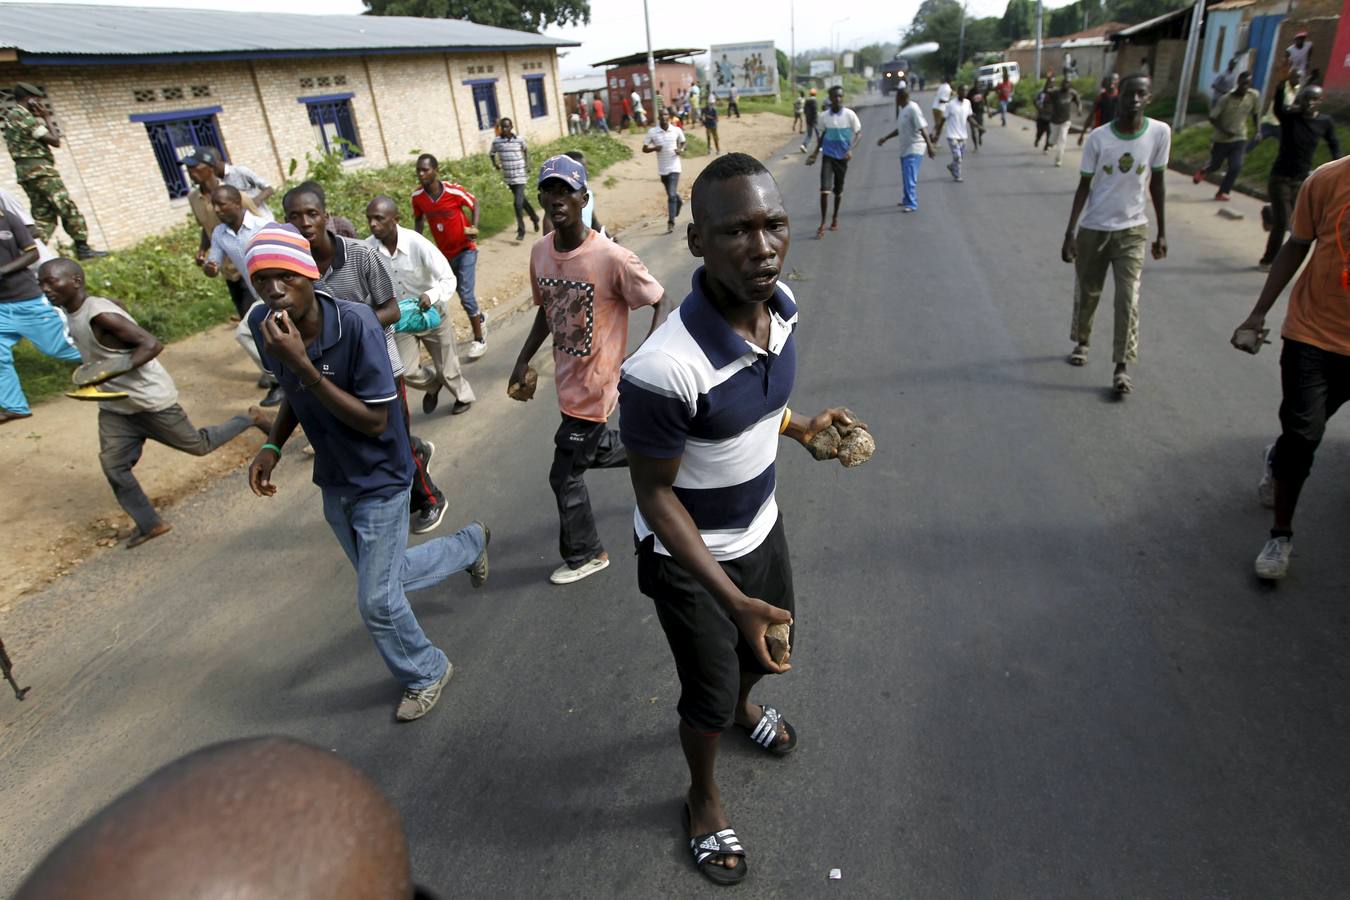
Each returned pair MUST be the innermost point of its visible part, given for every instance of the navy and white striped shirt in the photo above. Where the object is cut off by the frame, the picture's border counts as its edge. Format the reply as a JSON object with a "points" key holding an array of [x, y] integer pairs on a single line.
{"points": [[699, 391]]}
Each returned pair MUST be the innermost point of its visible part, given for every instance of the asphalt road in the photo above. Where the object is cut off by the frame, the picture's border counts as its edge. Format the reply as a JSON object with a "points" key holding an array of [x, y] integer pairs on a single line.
{"points": [[1032, 661]]}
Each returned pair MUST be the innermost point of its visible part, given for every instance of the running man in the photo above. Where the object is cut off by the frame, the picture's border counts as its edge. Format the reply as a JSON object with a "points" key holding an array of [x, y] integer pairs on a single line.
{"points": [[703, 402], [1302, 128], [1104, 108], [1230, 116], [667, 142], [710, 127], [798, 104], [331, 360], [104, 332], [1315, 361], [958, 120], [421, 274], [584, 285], [1042, 104], [1123, 164], [840, 132], [353, 271], [511, 157], [1005, 95], [452, 213], [940, 101], [24, 313], [1064, 103], [810, 115], [912, 130]]}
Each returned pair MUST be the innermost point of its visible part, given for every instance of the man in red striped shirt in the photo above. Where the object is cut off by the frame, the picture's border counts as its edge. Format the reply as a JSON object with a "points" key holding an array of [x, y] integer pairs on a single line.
{"points": [[452, 213]]}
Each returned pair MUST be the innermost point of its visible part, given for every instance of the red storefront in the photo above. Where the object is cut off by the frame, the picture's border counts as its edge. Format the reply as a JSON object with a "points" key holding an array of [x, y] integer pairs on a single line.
{"points": [[629, 73]]}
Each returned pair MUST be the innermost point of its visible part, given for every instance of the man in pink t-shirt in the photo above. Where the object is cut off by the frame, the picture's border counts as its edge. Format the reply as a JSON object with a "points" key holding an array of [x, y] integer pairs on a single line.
{"points": [[584, 285]]}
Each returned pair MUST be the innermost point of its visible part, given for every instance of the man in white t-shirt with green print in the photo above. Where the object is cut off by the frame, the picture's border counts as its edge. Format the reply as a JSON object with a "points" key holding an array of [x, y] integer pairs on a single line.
{"points": [[1124, 163]]}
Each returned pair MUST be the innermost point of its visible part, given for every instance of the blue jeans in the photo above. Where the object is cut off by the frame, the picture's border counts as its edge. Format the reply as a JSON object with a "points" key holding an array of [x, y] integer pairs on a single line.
{"points": [[373, 532], [465, 266], [45, 326], [909, 174], [1003, 111], [671, 182]]}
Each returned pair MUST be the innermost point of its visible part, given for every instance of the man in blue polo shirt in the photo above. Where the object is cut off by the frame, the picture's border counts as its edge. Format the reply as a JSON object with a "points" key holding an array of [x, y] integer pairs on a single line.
{"points": [[840, 132], [702, 403], [330, 358]]}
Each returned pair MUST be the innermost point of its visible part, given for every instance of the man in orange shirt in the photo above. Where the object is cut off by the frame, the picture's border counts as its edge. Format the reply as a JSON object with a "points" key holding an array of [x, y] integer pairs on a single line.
{"points": [[584, 285], [1315, 361]]}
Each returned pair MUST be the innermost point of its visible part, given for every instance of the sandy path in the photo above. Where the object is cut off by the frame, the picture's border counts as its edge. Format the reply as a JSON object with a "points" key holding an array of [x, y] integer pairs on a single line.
{"points": [[58, 504]]}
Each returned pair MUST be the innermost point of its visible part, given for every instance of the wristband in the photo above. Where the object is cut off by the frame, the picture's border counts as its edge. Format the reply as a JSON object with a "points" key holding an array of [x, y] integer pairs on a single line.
{"points": [[306, 387], [787, 420], [274, 448]]}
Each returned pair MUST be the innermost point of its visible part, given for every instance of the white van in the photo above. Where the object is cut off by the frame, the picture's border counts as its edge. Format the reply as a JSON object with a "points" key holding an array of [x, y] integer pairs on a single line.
{"points": [[990, 76]]}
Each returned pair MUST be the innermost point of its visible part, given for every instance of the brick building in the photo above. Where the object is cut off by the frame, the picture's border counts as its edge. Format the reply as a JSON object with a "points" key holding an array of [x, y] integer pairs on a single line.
{"points": [[132, 88], [626, 74]]}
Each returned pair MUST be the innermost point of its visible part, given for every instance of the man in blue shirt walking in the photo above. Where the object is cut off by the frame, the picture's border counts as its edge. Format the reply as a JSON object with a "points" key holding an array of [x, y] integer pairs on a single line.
{"points": [[840, 132], [330, 358]]}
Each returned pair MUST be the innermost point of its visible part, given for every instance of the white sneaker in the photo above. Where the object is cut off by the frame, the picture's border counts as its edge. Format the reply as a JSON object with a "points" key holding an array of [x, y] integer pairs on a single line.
{"points": [[476, 349], [565, 574], [1273, 563], [1265, 491]]}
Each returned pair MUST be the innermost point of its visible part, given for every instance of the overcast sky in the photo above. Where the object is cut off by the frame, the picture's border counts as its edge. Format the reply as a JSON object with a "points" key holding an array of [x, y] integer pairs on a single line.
{"points": [[616, 26]]}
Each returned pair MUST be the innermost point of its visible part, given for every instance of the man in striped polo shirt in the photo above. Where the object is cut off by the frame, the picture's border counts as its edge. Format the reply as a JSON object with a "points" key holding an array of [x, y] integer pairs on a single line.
{"points": [[702, 404], [511, 157]]}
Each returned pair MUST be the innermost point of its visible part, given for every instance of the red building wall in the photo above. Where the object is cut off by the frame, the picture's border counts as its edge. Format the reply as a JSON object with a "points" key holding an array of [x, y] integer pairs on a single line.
{"points": [[1337, 75], [671, 78]]}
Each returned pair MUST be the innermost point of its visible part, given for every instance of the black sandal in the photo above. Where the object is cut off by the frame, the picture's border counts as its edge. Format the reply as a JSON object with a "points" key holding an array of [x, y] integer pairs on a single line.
{"points": [[717, 843], [765, 734]]}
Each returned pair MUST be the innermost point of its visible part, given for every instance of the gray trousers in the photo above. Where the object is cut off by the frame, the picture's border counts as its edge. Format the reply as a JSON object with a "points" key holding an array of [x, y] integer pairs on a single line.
{"points": [[122, 437], [444, 368]]}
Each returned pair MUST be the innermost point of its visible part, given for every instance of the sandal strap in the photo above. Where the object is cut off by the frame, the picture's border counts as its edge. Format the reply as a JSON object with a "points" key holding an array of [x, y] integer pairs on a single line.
{"points": [[766, 732], [715, 843]]}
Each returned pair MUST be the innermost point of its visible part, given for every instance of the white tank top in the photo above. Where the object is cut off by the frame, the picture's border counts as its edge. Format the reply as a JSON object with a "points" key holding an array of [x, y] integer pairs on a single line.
{"points": [[149, 387]]}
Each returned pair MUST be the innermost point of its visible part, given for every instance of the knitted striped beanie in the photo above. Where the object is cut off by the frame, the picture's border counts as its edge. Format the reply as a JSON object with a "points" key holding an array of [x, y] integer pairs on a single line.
{"points": [[277, 246]]}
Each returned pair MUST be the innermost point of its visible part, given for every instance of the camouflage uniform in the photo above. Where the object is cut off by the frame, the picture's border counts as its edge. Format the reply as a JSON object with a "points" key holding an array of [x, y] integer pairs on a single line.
{"points": [[36, 170]]}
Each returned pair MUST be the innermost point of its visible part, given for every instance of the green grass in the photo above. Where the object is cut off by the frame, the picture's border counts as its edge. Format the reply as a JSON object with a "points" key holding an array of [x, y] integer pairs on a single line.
{"points": [[1191, 147], [171, 299]]}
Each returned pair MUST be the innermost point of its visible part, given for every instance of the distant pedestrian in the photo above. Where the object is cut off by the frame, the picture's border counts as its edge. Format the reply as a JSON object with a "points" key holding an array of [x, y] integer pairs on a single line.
{"points": [[511, 157], [1064, 103], [598, 117], [584, 114], [798, 104], [1005, 95], [1224, 82], [840, 131], [1302, 128], [639, 114], [1229, 117], [30, 133], [710, 119], [200, 163], [695, 100], [146, 407], [1298, 53], [912, 130], [1122, 167], [958, 123], [229, 244], [451, 212], [340, 387], [24, 313], [1315, 361], [351, 270], [667, 142], [422, 275], [1042, 104], [977, 110], [584, 285], [941, 98], [733, 101], [1103, 110], [810, 118], [1269, 126]]}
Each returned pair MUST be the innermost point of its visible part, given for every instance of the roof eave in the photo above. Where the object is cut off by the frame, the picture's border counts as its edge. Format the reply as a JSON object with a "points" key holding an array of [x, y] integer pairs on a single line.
{"points": [[115, 59]]}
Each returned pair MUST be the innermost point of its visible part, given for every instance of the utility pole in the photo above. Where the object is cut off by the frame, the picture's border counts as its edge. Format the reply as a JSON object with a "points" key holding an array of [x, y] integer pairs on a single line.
{"points": [[1188, 67], [792, 60], [651, 60], [1040, 15], [961, 43]]}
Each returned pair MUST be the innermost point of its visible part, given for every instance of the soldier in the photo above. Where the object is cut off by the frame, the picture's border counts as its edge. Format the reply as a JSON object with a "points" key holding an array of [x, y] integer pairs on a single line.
{"points": [[30, 135]]}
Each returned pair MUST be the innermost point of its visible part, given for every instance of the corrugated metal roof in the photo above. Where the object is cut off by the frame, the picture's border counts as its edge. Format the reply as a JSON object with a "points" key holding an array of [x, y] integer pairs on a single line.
{"points": [[41, 32], [1153, 23]]}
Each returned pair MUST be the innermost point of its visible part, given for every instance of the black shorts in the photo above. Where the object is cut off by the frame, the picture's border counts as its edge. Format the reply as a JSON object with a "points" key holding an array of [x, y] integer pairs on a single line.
{"points": [[832, 172], [710, 652], [1315, 383]]}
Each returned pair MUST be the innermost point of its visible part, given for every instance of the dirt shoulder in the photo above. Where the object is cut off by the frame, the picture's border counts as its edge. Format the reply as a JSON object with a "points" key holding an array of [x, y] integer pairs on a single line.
{"points": [[59, 505]]}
